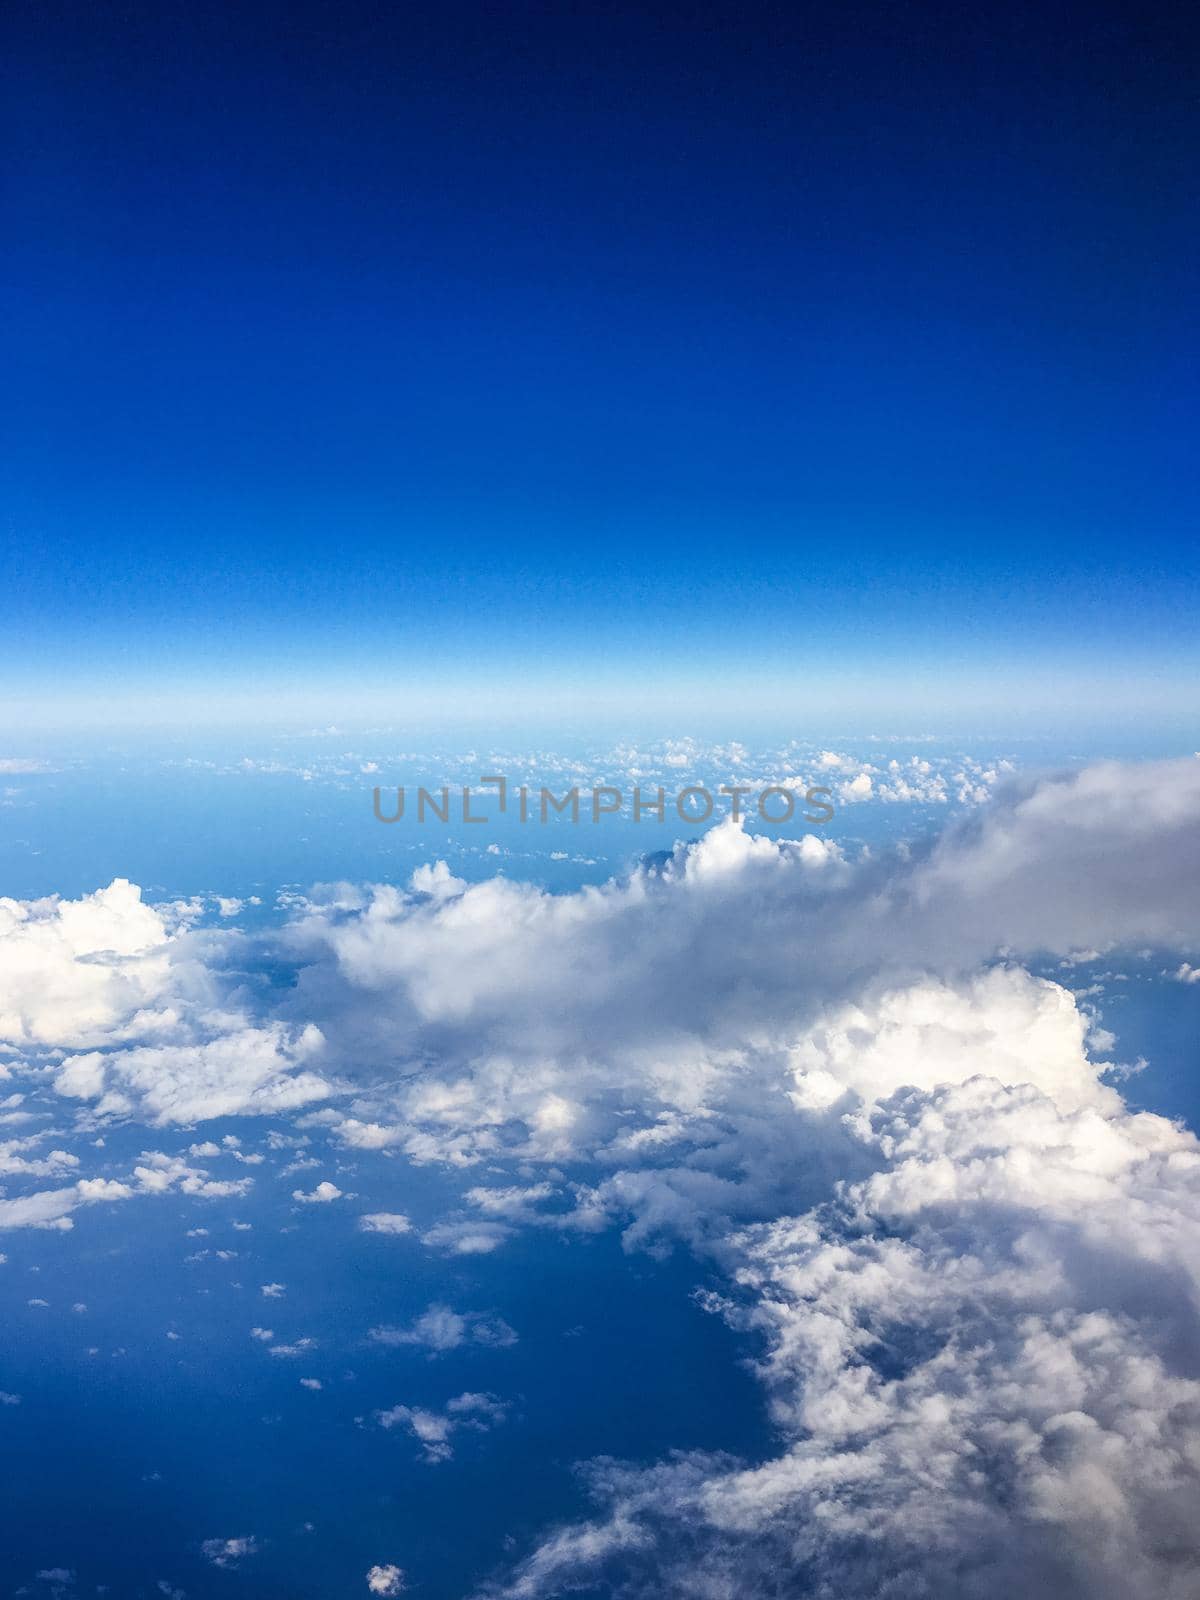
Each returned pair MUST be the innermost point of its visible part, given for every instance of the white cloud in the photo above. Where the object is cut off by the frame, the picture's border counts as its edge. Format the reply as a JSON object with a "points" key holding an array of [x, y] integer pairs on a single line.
{"points": [[77, 972], [439, 1329], [1002, 1021], [321, 1195], [155, 1174], [49, 1208], [466, 1238], [228, 1552], [969, 1271], [433, 1429], [21, 766], [973, 1360], [300, 1347], [664, 986], [141, 1012], [515, 1203], [247, 1072], [15, 1158], [386, 1580], [393, 1222]]}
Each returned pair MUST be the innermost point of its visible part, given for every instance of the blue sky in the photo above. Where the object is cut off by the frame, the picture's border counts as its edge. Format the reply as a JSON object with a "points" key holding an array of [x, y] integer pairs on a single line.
{"points": [[589, 362]]}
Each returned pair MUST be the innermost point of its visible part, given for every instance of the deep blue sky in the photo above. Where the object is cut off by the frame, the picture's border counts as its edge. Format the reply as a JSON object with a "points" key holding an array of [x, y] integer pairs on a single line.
{"points": [[386, 359]]}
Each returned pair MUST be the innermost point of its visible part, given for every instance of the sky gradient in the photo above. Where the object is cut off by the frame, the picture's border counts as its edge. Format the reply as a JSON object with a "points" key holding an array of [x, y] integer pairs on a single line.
{"points": [[429, 365]]}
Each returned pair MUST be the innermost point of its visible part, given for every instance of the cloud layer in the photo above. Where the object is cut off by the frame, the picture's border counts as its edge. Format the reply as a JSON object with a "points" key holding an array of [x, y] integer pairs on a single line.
{"points": [[969, 1273]]}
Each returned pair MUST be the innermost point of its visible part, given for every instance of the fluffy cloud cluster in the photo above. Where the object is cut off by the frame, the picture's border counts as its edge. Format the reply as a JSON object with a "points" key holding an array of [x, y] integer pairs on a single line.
{"points": [[969, 1271], [247, 1071], [970, 1268], [80, 972], [981, 1332], [155, 1173], [128, 1008], [983, 1368], [544, 1026], [920, 780]]}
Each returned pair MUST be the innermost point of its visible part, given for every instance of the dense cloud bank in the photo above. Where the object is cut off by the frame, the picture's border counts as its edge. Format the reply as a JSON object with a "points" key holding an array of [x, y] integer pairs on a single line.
{"points": [[971, 1275]]}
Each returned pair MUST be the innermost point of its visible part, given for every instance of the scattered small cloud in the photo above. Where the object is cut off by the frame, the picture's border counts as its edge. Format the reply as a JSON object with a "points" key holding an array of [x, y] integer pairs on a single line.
{"points": [[439, 1329], [394, 1222], [228, 1552], [385, 1580]]}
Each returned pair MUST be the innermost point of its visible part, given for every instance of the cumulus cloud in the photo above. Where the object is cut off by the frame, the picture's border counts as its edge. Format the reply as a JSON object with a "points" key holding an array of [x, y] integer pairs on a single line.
{"points": [[322, 1195], [47, 1208], [439, 1329], [254, 1071], [155, 1173], [16, 1157], [78, 972], [920, 780], [299, 1347], [478, 1413], [228, 1552], [466, 1238], [387, 1579], [981, 1362], [534, 1015], [393, 1222], [131, 1010], [515, 1203]]}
